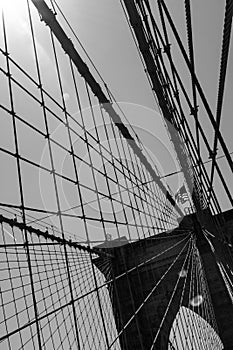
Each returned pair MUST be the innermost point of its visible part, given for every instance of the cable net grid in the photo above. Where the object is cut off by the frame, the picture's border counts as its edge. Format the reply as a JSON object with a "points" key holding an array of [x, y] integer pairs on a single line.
{"points": [[158, 35], [69, 163], [38, 289], [111, 194]]}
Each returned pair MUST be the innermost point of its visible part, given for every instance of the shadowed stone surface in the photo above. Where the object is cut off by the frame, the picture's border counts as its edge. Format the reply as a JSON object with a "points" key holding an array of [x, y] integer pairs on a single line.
{"points": [[130, 291]]}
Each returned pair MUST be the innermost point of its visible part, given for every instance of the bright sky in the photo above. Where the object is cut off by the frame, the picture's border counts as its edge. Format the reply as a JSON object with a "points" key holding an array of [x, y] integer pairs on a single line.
{"points": [[102, 29]]}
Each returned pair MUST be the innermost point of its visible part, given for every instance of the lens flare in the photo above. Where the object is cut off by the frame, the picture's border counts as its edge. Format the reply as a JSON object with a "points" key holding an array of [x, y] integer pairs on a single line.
{"points": [[183, 273], [11, 7], [197, 300]]}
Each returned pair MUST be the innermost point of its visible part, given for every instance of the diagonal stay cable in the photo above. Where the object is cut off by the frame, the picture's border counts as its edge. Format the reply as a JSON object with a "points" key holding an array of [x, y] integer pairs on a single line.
{"points": [[192, 61], [149, 294], [95, 200], [49, 18], [46, 235], [187, 99], [175, 327], [173, 294], [87, 293], [222, 79], [158, 85], [176, 76], [34, 219], [54, 2], [199, 88]]}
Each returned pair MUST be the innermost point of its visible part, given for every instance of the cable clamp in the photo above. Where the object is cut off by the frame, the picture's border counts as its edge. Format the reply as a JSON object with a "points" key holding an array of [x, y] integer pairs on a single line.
{"points": [[167, 48], [212, 154], [193, 111]]}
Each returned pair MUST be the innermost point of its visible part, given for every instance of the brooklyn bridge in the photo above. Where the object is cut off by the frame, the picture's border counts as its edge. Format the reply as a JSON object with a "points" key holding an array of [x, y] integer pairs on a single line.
{"points": [[116, 218]]}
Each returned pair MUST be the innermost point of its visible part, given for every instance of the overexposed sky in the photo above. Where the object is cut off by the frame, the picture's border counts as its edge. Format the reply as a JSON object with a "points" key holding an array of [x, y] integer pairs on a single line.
{"points": [[102, 29]]}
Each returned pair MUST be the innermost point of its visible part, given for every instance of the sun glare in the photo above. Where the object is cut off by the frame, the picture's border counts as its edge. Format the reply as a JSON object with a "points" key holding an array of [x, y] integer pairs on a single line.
{"points": [[11, 7]]}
